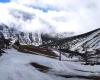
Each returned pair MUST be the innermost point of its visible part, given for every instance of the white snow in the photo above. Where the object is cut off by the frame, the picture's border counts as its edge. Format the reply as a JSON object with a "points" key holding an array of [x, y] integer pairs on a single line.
{"points": [[15, 66], [89, 38]]}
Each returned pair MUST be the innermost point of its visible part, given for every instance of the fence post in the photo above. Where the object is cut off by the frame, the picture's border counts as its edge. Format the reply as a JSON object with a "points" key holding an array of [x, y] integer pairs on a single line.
{"points": [[60, 56]]}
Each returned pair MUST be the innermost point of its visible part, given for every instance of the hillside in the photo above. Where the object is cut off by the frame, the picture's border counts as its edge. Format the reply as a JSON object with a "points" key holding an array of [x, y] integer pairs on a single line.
{"points": [[90, 40]]}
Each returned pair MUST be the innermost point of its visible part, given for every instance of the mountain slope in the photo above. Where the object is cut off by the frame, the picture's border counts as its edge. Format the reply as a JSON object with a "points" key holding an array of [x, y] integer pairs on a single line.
{"points": [[35, 38], [90, 40]]}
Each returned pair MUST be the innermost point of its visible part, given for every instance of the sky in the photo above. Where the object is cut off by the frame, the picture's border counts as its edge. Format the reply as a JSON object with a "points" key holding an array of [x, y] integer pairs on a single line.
{"points": [[78, 16], [4, 1]]}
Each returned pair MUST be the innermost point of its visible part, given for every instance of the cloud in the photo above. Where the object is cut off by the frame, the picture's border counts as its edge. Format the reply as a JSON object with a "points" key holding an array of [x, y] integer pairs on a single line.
{"points": [[77, 16], [50, 4]]}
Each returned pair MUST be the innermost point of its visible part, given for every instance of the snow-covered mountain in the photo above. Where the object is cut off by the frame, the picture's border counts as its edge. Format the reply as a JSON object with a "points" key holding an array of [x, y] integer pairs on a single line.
{"points": [[89, 41], [26, 62], [39, 40], [92, 41], [31, 38], [21, 65]]}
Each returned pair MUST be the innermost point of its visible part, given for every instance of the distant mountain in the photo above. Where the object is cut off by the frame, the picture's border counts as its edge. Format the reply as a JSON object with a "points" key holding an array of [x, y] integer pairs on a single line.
{"points": [[15, 29], [89, 41], [30, 38]]}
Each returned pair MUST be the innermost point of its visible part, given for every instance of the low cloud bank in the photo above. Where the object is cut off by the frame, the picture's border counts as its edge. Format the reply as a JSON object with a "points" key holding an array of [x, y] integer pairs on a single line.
{"points": [[77, 16]]}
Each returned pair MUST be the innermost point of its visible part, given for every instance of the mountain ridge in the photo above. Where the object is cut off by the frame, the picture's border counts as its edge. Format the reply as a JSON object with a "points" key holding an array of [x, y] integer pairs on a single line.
{"points": [[71, 42], [30, 38]]}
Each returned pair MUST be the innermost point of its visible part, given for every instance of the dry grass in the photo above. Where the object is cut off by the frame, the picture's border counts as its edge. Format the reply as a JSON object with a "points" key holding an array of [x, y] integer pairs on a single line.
{"points": [[33, 50]]}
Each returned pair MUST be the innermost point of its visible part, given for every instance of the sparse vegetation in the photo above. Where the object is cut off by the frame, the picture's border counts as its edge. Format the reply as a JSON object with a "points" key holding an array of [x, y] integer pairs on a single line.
{"points": [[33, 50]]}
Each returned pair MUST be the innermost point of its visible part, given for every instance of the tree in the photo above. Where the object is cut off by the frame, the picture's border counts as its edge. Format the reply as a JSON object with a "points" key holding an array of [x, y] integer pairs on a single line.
{"points": [[17, 43]]}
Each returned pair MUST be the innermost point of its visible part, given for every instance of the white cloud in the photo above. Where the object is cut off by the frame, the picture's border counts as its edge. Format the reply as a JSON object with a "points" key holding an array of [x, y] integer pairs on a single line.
{"points": [[64, 15]]}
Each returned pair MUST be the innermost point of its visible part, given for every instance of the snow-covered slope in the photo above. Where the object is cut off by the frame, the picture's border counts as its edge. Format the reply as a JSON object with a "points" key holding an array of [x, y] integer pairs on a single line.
{"points": [[16, 66], [90, 41]]}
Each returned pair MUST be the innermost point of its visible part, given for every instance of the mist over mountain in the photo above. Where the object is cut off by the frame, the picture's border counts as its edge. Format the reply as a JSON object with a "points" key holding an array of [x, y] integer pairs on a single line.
{"points": [[31, 38], [50, 40], [27, 15]]}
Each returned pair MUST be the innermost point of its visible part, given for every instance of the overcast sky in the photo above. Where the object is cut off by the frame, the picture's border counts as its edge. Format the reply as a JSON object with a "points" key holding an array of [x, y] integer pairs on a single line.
{"points": [[77, 16]]}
